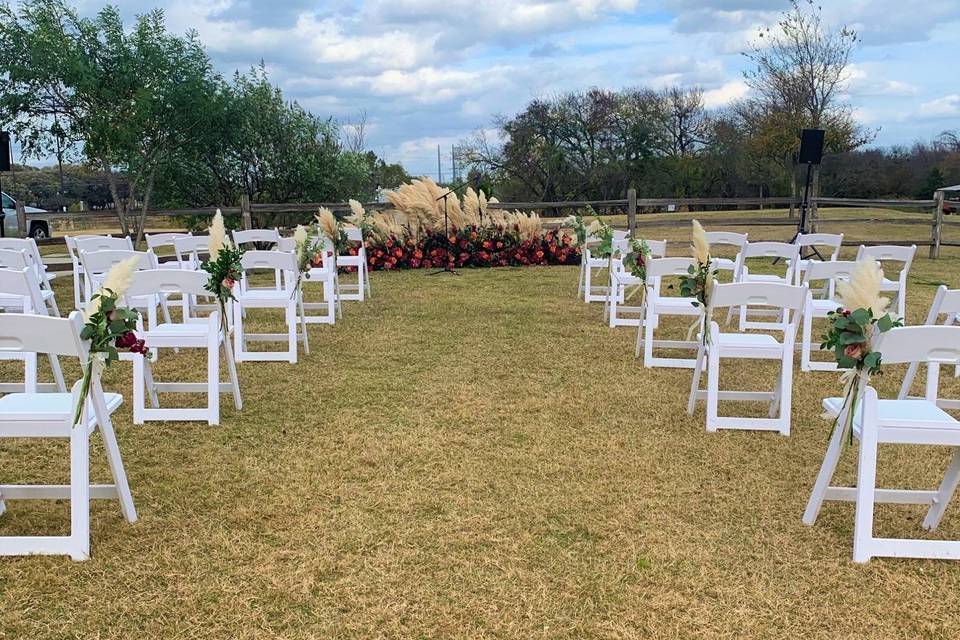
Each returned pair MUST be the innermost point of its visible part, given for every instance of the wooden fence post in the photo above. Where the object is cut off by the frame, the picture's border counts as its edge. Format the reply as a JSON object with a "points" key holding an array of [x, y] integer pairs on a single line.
{"points": [[937, 227], [21, 220], [632, 211], [247, 218]]}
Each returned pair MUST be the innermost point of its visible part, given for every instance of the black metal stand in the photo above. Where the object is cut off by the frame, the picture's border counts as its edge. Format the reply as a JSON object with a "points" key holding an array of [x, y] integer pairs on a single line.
{"points": [[802, 224], [446, 226]]}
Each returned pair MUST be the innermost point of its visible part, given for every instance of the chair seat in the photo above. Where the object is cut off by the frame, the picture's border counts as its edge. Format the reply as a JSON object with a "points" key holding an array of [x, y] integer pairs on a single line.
{"points": [[748, 340], [763, 277], [824, 306], [349, 261], [264, 295], [890, 411], [7, 299], [177, 330], [725, 264], [47, 406], [674, 304]]}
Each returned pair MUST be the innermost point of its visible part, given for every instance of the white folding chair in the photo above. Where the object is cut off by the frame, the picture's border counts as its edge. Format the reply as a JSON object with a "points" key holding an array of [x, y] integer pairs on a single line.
{"points": [[593, 266], [901, 421], [259, 239], [190, 333], [97, 264], [828, 273], [50, 415], [20, 293], [891, 255], [35, 261], [813, 242], [79, 281], [91, 244], [659, 305], [730, 239], [189, 249], [789, 301], [325, 275], [18, 259], [284, 297], [944, 310], [784, 252], [157, 241], [359, 261], [618, 313]]}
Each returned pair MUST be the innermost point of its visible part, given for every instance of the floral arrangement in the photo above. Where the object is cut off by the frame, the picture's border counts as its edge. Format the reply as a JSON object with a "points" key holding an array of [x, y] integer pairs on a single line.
{"points": [[698, 282], [636, 262], [309, 252], [579, 228], [333, 229], [851, 330], [108, 327], [223, 266], [603, 232], [362, 219], [471, 246]]}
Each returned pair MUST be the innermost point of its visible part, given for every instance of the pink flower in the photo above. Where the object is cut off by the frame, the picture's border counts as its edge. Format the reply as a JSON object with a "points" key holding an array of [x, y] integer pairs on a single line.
{"points": [[855, 351], [228, 283]]}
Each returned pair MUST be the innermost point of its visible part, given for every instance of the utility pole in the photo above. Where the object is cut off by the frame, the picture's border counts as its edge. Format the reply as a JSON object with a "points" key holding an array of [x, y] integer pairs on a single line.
{"points": [[453, 163], [439, 167]]}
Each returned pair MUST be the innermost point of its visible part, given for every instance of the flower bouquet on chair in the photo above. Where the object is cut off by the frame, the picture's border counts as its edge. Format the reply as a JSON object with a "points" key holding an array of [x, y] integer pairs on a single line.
{"points": [[698, 282], [109, 328], [223, 266], [636, 262], [852, 328], [309, 252]]}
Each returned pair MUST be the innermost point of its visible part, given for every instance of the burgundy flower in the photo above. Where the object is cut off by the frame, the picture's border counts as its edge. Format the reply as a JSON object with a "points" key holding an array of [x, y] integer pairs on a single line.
{"points": [[127, 340]]}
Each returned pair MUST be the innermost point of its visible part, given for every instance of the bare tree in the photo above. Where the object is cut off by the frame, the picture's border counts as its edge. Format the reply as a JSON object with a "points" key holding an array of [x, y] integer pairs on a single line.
{"points": [[949, 141], [354, 133], [685, 120]]}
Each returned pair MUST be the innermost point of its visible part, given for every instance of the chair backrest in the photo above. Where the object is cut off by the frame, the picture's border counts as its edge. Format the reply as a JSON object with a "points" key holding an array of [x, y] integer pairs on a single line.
{"points": [[619, 236], [96, 263], [945, 303], [71, 242], [22, 282], [273, 260], [758, 294], [246, 236], [726, 237], [660, 267], [28, 333], [354, 234], [158, 281], [157, 240], [889, 253], [102, 243], [658, 248], [833, 240], [188, 250], [782, 250], [817, 270], [939, 345], [32, 251], [287, 244], [14, 259]]}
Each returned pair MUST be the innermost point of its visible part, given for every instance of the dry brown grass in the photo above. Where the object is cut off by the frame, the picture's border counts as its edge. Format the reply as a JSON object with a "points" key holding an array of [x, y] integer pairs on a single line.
{"points": [[475, 457]]}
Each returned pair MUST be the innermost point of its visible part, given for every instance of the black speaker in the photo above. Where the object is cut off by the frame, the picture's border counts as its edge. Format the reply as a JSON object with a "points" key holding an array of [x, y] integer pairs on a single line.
{"points": [[811, 146]]}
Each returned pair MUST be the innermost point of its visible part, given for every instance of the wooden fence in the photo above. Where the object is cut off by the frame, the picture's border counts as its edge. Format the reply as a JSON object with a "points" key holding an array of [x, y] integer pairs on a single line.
{"points": [[632, 206]]}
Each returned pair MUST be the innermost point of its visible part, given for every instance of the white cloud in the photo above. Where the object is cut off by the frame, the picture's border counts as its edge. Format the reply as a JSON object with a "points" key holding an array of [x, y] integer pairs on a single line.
{"points": [[725, 94], [941, 107]]}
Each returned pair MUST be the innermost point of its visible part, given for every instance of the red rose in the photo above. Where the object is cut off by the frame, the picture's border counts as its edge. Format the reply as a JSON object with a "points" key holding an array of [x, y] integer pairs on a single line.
{"points": [[228, 282], [855, 351], [127, 340]]}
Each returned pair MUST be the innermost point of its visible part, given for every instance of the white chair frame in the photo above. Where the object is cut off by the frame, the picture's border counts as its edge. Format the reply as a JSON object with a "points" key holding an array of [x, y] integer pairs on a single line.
{"points": [[357, 291], [285, 297], [35, 261], [781, 251], [787, 299], [726, 238], [829, 273], [885, 254], [901, 421], [658, 305], [50, 415], [97, 264], [946, 303], [328, 277], [621, 280], [190, 333], [593, 267], [833, 241]]}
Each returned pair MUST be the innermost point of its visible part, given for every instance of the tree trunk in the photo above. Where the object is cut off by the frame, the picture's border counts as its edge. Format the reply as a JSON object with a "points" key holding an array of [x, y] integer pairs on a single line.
{"points": [[142, 222], [118, 202]]}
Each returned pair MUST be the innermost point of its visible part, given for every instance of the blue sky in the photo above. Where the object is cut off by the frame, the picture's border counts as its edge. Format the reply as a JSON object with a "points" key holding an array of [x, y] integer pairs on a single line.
{"points": [[430, 72]]}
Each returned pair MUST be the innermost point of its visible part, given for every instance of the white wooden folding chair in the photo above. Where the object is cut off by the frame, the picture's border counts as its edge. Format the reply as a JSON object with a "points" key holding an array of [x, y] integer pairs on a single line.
{"points": [[189, 251], [20, 293], [285, 297], [659, 305], [18, 259], [50, 415], [729, 239], [325, 275], [97, 264], [356, 291], [944, 310], [889, 256], [190, 333], [814, 242], [261, 240], [780, 252], [624, 283], [901, 421], [593, 268], [35, 261], [157, 242], [79, 281], [827, 273], [788, 300]]}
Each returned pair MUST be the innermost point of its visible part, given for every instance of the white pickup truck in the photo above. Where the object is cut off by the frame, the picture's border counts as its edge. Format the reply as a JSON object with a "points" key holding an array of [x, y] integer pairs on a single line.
{"points": [[39, 227]]}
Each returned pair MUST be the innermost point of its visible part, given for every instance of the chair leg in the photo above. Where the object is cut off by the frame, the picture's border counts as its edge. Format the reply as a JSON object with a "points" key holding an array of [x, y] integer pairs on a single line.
{"points": [[114, 461], [57, 373], [827, 469], [866, 482], [30, 373], [713, 388], [238, 340], [213, 378], [151, 385], [80, 492], [908, 381], [292, 347], [54, 309], [303, 324], [640, 331], [649, 324], [806, 338], [949, 485], [695, 382], [232, 372], [138, 389]]}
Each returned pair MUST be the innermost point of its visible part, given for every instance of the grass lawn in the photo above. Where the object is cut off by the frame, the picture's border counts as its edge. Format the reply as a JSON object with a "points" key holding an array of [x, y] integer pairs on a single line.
{"points": [[476, 456]]}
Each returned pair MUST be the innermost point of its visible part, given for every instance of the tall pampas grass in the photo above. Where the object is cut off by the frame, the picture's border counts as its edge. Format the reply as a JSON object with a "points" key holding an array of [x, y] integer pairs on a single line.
{"points": [[117, 282], [700, 248], [327, 222], [218, 235], [862, 291]]}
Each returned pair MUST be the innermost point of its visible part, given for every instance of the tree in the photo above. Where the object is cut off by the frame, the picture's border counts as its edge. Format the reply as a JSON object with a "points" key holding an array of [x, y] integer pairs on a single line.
{"points": [[685, 121], [127, 99]]}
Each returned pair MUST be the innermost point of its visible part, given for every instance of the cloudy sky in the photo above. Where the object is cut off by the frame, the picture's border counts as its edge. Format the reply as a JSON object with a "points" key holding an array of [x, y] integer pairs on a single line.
{"points": [[429, 72]]}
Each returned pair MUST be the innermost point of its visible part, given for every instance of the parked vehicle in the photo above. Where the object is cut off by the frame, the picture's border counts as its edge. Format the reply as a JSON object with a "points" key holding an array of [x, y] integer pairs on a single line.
{"points": [[39, 227]]}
